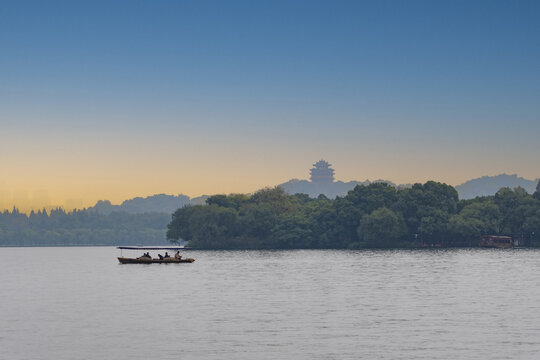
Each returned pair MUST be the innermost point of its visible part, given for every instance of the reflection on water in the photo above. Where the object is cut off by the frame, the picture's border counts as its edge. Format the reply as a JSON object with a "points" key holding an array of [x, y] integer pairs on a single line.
{"points": [[79, 303]]}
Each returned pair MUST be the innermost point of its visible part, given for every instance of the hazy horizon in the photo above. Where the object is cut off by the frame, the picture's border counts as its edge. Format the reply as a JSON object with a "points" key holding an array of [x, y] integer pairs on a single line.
{"points": [[41, 199], [112, 101]]}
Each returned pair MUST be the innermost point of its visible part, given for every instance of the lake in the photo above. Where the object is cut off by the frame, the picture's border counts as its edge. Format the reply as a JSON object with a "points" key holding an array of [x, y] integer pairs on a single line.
{"points": [[79, 303]]}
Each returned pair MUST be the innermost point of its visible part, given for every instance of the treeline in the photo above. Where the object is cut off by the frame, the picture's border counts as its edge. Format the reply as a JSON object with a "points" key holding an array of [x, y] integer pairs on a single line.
{"points": [[81, 227], [373, 216]]}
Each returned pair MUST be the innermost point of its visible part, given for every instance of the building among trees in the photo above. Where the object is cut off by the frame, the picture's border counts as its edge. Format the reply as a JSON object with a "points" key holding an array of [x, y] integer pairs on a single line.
{"points": [[321, 182], [322, 172]]}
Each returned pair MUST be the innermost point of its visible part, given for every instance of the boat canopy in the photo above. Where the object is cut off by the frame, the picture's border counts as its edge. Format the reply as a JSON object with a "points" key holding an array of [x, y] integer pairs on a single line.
{"points": [[173, 248]]}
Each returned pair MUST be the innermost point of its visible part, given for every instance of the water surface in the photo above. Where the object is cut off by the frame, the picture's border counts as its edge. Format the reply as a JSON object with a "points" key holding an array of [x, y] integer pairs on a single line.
{"points": [[79, 303]]}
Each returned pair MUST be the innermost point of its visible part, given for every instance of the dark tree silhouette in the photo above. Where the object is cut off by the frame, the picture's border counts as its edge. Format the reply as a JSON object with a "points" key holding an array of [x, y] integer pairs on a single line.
{"points": [[81, 227], [376, 215]]}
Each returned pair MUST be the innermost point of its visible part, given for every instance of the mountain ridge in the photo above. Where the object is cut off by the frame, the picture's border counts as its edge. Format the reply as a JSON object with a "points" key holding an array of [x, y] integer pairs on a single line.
{"points": [[160, 203], [482, 186], [489, 185]]}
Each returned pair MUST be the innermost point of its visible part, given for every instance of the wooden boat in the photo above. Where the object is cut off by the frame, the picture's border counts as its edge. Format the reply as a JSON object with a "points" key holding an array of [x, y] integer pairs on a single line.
{"points": [[150, 260], [125, 260], [500, 242]]}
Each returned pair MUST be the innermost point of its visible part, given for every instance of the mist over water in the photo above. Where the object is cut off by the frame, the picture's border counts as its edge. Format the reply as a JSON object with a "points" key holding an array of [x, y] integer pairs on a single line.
{"points": [[79, 303]]}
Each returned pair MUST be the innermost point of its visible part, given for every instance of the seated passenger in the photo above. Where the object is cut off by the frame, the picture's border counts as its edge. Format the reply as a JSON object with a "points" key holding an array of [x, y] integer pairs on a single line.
{"points": [[160, 257], [143, 257], [166, 254], [177, 255]]}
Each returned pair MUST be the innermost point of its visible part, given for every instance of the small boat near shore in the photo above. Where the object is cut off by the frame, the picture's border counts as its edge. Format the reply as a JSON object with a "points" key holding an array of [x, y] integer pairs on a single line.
{"points": [[497, 242], [146, 258], [124, 260]]}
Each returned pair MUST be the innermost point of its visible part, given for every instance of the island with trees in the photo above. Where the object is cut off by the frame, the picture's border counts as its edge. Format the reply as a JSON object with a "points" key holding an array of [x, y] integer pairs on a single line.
{"points": [[377, 215], [58, 227]]}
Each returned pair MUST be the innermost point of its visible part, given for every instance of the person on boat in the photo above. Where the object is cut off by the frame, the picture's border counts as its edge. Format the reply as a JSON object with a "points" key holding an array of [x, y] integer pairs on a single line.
{"points": [[144, 256], [177, 255], [160, 256], [147, 255], [166, 254]]}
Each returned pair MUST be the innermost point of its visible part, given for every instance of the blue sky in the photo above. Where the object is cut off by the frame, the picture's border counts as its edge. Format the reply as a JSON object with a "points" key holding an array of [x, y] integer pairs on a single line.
{"points": [[255, 91]]}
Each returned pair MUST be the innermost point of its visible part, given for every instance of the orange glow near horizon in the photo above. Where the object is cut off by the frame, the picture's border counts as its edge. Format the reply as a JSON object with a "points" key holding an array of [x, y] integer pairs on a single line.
{"points": [[74, 168], [125, 177]]}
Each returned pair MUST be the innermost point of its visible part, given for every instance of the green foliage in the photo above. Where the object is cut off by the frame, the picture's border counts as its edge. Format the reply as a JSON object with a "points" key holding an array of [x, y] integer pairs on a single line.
{"points": [[372, 197], [423, 201], [475, 219], [233, 201], [514, 206], [212, 226], [291, 231], [81, 227], [381, 228], [434, 227], [377, 215]]}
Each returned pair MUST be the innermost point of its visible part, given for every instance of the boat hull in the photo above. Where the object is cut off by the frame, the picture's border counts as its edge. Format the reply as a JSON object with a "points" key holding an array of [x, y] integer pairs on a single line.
{"points": [[124, 260], [498, 246], [498, 242]]}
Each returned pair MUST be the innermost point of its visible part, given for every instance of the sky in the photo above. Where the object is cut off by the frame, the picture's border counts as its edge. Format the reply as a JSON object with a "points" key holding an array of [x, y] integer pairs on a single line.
{"points": [[118, 99]]}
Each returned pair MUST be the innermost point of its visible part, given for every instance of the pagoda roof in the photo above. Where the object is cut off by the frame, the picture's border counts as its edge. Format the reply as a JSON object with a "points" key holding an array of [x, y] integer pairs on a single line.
{"points": [[322, 163]]}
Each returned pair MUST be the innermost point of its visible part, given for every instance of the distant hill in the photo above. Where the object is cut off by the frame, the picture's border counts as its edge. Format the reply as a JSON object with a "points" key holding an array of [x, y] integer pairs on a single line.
{"points": [[489, 185], [159, 203], [330, 189], [483, 186], [163, 203]]}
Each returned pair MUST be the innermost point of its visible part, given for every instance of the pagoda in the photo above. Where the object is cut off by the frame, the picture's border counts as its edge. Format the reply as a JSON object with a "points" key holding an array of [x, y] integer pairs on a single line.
{"points": [[322, 172]]}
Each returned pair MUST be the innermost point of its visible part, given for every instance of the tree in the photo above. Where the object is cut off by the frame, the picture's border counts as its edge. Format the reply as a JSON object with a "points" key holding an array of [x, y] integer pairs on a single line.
{"points": [[82, 227], [230, 201], [377, 215], [347, 219], [292, 231], [382, 228], [212, 227], [434, 227], [513, 204], [179, 227], [256, 221], [465, 228], [322, 219], [423, 200], [488, 215], [372, 197], [531, 225], [276, 198]]}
